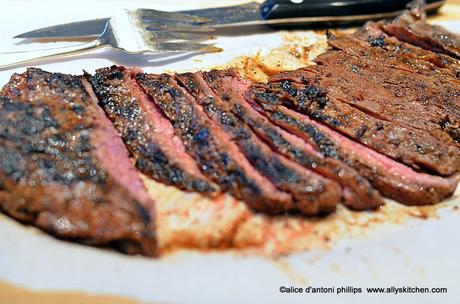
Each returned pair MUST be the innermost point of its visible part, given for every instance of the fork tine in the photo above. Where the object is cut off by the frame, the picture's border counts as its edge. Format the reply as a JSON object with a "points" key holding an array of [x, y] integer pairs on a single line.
{"points": [[165, 36], [154, 14], [175, 26], [186, 47]]}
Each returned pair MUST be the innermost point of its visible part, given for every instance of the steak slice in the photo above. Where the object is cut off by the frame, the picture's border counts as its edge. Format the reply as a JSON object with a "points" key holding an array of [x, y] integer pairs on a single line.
{"points": [[392, 179], [312, 194], [64, 168], [358, 194], [147, 133], [414, 86], [411, 27], [435, 88], [218, 157], [371, 40], [361, 92], [409, 145]]}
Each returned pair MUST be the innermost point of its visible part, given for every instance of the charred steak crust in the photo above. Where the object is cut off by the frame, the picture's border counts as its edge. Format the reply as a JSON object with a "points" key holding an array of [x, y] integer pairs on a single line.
{"points": [[215, 153], [222, 119], [312, 193], [390, 178], [56, 170], [149, 138]]}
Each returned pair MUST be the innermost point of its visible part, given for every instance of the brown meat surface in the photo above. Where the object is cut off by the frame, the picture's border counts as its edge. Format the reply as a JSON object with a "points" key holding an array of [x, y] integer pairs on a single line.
{"points": [[64, 168]]}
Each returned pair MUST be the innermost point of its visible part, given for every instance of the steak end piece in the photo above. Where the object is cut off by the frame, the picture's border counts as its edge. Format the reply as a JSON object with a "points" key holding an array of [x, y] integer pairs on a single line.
{"points": [[395, 81], [64, 168]]}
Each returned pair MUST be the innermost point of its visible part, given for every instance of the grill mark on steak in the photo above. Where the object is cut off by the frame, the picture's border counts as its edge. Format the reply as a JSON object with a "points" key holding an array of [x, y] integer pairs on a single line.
{"points": [[312, 193], [148, 135], [213, 149], [411, 146], [60, 165], [411, 27], [390, 178]]}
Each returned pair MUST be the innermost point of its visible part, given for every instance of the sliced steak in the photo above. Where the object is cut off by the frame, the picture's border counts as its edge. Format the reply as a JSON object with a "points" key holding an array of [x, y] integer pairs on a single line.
{"points": [[436, 99], [358, 194], [392, 179], [218, 157], [147, 133], [347, 85], [371, 40], [409, 145], [437, 72], [312, 193], [412, 27], [414, 81], [64, 168]]}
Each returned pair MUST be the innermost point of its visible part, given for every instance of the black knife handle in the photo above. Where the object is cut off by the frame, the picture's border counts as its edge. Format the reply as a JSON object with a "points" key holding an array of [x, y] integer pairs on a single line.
{"points": [[276, 9]]}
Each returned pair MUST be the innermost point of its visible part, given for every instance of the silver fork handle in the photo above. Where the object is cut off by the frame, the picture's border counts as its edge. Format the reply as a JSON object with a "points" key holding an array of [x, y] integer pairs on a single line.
{"points": [[12, 60]]}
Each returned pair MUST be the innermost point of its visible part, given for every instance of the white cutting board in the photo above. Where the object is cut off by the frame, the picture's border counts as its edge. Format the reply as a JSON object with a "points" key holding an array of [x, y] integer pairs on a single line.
{"points": [[419, 252]]}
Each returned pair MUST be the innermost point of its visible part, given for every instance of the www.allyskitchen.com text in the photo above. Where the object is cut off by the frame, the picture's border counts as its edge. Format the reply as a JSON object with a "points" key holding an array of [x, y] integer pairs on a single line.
{"points": [[360, 290]]}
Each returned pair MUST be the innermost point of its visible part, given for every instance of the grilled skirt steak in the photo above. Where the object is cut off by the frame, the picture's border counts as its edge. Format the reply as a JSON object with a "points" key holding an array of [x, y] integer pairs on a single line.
{"points": [[377, 115], [64, 168], [147, 133], [408, 145], [400, 95], [357, 193], [217, 155], [392, 179], [312, 194]]}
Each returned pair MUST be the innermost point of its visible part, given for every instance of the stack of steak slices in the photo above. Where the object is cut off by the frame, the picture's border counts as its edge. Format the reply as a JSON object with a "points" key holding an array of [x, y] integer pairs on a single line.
{"points": [[377, 115]]}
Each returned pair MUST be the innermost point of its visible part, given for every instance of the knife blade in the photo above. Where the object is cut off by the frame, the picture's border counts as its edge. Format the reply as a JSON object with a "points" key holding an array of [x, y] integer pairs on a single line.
{"points": [[270, 12], [88, 28]]}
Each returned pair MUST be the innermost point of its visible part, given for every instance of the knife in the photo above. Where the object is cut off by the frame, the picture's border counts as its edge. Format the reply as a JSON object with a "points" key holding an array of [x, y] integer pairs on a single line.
{"points": [[271, 12]]}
